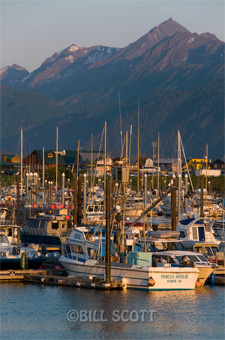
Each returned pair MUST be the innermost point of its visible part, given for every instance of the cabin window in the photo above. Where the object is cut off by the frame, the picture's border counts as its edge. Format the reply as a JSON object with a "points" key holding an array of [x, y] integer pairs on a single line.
{"points": [[42, 224], [194, 231], [199, 250], [3, 239], [182, 234], [68, 249], [9, 232], [208, 251], [90, 208], [215, 250], [91, 252], [75, 248], [34, 223], [55, 225], [202, 258], [193, 258]]}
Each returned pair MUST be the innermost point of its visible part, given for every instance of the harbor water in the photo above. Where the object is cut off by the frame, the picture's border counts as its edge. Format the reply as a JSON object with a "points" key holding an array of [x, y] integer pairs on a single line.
{"points": [[31, 311]]}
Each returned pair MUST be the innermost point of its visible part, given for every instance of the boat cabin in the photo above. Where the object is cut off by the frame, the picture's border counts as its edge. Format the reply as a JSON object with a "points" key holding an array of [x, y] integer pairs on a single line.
{"points": [[12, 232]]}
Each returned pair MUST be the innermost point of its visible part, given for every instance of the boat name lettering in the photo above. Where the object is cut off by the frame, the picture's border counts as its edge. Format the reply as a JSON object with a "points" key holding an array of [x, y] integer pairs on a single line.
{"points": [[77, 236], [167, 276]]}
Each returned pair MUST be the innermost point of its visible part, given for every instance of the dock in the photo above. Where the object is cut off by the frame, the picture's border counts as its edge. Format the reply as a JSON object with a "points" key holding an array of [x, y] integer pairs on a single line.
{"points": [[18, 275], [95, 283], [46, 277]]}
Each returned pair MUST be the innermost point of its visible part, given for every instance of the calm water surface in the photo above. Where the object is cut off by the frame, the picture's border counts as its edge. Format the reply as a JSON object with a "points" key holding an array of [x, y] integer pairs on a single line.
{"points": [[40, 312]]}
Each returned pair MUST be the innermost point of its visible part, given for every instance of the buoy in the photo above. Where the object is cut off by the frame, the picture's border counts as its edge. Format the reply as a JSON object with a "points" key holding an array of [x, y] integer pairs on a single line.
{"points": [[198, 283], [151, 281], [212, 279], [67, 217]]}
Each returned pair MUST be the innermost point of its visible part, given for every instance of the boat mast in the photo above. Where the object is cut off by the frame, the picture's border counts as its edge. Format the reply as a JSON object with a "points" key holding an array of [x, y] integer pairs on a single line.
{"points": [[138, 151], [21, 161], [130, 143], [121, 132], [158, 166], [107, 237], [206, 167], [43, 167], [78, 151], [179, 175], [56, 159], [105, 165], [91, 159]]}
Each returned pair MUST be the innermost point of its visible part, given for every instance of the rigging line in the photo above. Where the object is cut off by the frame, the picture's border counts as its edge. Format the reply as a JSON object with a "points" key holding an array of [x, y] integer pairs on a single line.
{"points": [[186, 164]]}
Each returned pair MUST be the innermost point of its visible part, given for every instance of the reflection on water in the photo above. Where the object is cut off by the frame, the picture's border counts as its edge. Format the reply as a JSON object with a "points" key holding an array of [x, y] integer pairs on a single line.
{"points": [[40, 312]]}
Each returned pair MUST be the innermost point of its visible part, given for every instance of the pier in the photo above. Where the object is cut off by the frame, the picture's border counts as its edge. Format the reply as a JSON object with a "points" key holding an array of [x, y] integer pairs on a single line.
{"points": [[45, 277]]}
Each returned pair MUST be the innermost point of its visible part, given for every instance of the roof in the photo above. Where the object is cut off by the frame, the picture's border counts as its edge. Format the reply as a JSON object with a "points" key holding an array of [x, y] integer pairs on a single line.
{"points": [[218, 161], [167, 160], [69, 158]]}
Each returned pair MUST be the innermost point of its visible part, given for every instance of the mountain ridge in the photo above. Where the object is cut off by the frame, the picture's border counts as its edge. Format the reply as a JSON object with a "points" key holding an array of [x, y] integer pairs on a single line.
{"points": [[166, 61]]}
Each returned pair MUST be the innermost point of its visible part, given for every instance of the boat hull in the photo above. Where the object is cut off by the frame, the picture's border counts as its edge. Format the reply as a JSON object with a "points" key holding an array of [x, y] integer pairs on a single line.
{"points": [[135, 276]]}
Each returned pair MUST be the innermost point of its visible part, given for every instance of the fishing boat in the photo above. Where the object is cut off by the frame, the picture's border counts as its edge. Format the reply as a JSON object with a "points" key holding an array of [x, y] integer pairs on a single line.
{"points": [[196, 230], [13, 254], [46, 229], [80, 258]]}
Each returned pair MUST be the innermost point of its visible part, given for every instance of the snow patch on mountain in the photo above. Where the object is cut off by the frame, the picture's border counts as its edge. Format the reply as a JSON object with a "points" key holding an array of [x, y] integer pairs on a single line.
{"points": [[70, 58], [74, 48]]}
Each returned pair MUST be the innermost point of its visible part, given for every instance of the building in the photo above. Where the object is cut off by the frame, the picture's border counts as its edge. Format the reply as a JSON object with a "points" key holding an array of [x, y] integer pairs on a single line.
{"points": [[66, 158], [10, 164]]}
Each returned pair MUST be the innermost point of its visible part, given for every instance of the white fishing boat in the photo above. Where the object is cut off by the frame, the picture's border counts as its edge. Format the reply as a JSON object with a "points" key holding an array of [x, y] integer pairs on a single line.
{"points": [[189, 258], [80, 259], [196, 230]]}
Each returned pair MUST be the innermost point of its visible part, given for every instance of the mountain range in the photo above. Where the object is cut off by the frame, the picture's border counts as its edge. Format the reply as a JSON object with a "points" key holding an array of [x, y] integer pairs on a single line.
{"points": [[177, 75]]}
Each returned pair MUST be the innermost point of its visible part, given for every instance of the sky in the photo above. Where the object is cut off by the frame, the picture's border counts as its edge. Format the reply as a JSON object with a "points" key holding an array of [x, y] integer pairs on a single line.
{"points": [[32, 31]]}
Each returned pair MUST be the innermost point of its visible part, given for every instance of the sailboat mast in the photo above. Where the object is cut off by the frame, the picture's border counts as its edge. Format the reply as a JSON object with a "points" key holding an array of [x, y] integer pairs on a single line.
{"points": [[206, 168], [105, 158], [158, 166], [56, 159], [78, 156], [130, 143], [121, 132], [91, 158], [179, 175], [21, 162], [138, 151], [43, 167]]}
